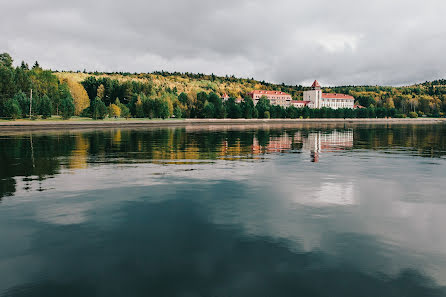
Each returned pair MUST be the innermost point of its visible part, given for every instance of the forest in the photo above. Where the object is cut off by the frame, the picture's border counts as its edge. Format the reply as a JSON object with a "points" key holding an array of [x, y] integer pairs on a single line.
{"points": [[34, 92]]}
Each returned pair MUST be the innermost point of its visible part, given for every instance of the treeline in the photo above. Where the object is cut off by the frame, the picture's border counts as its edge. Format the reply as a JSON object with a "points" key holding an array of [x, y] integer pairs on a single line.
{"points": [[186, 95], [139, 100], [423, 99], [48, 96]]}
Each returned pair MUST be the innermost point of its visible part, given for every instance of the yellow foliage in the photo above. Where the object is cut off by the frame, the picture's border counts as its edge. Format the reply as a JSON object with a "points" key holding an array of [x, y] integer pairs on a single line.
{"points": [[101, 91], [115, 111], [80, 96]]}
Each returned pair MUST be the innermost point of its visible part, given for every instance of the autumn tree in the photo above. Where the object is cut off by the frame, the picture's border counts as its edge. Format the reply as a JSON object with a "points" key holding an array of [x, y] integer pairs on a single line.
{"points": [[101, 92]]}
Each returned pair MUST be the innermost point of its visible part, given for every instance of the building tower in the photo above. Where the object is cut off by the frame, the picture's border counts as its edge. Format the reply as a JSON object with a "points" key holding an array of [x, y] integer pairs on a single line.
{"points": [[314, 95]]}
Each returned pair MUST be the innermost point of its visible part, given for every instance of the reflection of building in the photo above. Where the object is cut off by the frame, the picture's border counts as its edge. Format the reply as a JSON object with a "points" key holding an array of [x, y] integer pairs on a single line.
{"points": [[317, 142], [275, 145], [313, 142]]}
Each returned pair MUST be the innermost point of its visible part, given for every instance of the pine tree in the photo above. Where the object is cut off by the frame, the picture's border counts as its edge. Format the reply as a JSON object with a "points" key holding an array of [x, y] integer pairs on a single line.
{"points": [[45, 108], [67, 107]]}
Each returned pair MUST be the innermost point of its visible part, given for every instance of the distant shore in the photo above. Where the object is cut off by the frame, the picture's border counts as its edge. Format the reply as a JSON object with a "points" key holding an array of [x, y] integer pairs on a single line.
{"points": [[112, 123]]}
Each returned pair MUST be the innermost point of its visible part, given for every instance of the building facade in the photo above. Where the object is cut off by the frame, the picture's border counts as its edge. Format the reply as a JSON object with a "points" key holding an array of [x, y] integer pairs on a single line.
{"points": [[314, 98], [275, 97]]}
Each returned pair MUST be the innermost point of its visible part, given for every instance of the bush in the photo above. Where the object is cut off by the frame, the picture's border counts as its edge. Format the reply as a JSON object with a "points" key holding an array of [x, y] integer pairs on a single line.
{"points": [[266, 115], [400, 116], [413, 115], [12, 109], [67, 108]]}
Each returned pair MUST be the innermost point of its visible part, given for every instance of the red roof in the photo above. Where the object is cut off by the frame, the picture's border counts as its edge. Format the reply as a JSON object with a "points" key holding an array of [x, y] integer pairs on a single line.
{"points": [[261, 92], [316, 84], [336, 96], [300, 101]]}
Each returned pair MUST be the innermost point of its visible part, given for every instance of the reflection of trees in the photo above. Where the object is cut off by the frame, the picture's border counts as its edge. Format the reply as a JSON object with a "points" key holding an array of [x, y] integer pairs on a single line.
{"points": [[424, 140], [76, 150], [19, 160], [7, 187]]}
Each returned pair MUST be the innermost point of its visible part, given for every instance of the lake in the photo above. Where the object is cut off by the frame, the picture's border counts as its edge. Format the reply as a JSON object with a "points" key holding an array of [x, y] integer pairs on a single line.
{"points": [[293, 210]]}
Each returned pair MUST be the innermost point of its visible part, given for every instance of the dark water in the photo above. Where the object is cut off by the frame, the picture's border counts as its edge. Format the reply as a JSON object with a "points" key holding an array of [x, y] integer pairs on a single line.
{"points": [[271, 211]]}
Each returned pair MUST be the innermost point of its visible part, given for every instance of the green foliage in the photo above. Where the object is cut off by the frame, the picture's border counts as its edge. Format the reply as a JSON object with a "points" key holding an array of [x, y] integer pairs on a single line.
{"points": [[209, 110], [67, 107], [366, 100], [266, 115], [219, 110], [139, 108], [161, 107], [44, 108], [262, 106], [233, 109], [6, 82], [12, 109], [23, 101], [248, 109], [183, 98], [6, 60], [177, 112], [413, 114], [109, 89], [98, 109]]}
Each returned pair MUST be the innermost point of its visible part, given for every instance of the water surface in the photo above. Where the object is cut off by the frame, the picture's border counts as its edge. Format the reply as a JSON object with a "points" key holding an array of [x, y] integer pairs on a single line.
{"points": [[303, 210]]}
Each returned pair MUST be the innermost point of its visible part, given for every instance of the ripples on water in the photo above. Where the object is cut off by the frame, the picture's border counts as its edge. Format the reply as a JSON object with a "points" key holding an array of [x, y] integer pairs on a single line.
{"points": [[224, 211]]}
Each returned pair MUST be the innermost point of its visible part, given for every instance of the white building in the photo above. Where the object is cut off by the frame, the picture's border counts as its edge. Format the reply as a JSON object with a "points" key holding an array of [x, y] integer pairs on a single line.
{"points": [[275, 97], [314, 98]]}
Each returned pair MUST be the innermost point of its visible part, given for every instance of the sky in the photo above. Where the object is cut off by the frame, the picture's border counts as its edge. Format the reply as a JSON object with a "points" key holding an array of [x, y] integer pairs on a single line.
{"points": [[338, 42]]}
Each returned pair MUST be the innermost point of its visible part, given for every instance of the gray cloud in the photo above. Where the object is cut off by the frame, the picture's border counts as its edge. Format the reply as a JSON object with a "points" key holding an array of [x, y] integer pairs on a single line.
{"points": [[338, 42]]}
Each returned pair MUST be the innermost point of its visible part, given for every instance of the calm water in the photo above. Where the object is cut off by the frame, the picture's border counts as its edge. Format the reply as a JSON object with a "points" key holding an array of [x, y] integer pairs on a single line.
{"points": [[221, 211]]}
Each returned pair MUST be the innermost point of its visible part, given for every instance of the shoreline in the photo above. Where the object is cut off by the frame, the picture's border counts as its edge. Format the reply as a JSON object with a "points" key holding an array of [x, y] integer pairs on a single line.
{"points": [[24, 125]]}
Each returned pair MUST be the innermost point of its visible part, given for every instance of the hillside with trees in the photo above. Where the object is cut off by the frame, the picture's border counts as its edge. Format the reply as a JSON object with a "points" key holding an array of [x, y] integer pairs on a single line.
{"points": [[186, 95]]}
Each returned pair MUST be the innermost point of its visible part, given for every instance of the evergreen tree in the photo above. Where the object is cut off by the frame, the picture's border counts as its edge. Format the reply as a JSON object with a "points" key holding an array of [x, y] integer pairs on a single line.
{"points": [[233, 109], [6, 60], [248, 108], [12, 109], [99, 110], [45, 108], [262, 106], [209, 110], [177, 112], [7, 87], [23, 102], [67, 107]]}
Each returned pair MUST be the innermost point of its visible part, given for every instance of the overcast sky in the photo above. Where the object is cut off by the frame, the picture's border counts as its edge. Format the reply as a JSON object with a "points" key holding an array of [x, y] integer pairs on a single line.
{"points": [[338, 42]]}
